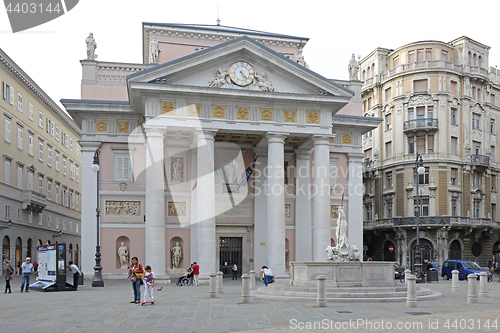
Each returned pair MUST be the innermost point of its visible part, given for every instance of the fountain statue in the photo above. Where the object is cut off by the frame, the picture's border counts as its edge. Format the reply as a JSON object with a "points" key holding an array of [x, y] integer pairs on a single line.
{"points": [[344, 251]]}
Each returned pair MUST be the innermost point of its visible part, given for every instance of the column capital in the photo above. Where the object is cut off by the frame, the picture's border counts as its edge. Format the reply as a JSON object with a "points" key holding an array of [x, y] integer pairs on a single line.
{"points": [[355, 157], [276, 137], [322, 139], [154, 131], [260, 151], [206, 134], [89, 146], [303, 154]]}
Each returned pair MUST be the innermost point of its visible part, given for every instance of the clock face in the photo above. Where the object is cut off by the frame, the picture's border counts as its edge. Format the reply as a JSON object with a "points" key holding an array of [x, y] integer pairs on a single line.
{"points": [[241, 73]]}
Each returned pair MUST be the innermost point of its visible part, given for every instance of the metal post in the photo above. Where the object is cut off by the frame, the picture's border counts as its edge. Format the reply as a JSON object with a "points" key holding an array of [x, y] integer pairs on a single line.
{"points": [[417, 258], [97, 282]]}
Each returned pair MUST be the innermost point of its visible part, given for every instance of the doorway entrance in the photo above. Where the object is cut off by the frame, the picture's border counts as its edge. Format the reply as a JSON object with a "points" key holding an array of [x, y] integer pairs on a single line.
{"points": [[230, 252], [455, 251]]}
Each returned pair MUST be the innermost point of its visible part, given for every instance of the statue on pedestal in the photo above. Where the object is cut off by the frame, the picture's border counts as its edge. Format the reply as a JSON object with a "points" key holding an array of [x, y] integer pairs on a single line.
{"points": [[353, 68], [176, 255], [344, 251], [155, 51], [91, 46], [123, 255]]}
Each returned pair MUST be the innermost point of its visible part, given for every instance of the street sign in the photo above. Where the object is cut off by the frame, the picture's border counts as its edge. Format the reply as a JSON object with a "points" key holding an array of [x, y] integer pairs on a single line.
{"points": [[391, 248]]}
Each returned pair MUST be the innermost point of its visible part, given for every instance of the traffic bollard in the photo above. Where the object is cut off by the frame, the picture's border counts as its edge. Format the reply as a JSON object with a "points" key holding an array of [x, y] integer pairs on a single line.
{"points": [[252, 280], [483, 283], [472, 291], [245, 288], [212, 288], [219, 283], [411, 292], [321, 296], [454, 281]]}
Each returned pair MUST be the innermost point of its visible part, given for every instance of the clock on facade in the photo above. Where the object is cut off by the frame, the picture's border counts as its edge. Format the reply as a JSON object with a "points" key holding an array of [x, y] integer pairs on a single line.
{"points": [[241, 73]]}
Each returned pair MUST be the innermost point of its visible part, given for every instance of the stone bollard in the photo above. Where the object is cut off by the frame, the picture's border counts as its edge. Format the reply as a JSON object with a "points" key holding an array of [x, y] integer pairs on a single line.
{"points": [[454, 281], [245, 288], [407, 272], [252, 280], [411, 293], [212, 288], [321, 296], [472, 292], [219, 283], [483, 282]]}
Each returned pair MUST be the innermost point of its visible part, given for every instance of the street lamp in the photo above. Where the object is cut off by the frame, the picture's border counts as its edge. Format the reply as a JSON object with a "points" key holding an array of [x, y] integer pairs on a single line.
{"points": [[97, 282], [419, 170]]}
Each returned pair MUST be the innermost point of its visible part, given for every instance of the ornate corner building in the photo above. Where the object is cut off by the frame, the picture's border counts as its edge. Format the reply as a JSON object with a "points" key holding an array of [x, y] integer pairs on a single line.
{"points": [[439, 100]]}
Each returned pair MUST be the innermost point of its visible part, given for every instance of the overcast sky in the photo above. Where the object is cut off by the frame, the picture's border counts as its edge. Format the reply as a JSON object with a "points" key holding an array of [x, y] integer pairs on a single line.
{"points": [[50, 53]]}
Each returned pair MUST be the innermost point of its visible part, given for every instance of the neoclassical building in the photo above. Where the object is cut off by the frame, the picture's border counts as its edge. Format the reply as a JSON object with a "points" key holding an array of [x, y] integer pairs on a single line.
{"points": [[179, 133], [439, 100], [40, 185]]}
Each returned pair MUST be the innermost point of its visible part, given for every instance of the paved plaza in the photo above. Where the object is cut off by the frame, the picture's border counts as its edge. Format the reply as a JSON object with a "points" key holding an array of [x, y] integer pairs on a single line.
{"points": [[189, 309]]}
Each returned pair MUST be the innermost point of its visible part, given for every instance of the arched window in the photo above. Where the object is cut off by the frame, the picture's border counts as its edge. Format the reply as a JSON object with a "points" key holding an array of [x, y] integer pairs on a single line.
{"points": [[6, 248], [19, 252], [480, 61], [364, 75], [29, 244], [373, 70], [474, 60], [77, 255], [368, 73], [470, 58]]}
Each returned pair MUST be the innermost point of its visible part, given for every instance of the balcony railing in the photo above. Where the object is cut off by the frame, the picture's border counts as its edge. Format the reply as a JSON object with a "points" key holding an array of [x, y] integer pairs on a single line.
{"points": [[480, 160], [437, 221], [424, 123], [34, 201]]}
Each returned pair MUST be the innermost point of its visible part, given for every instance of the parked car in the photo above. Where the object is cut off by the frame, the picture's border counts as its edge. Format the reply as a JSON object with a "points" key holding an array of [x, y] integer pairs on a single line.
{"points": [[463, 267], [399, 271]]}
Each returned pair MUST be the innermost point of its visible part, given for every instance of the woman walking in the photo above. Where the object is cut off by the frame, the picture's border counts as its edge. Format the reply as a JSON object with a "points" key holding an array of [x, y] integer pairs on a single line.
{"points": [[7, 270], [136, 274]]}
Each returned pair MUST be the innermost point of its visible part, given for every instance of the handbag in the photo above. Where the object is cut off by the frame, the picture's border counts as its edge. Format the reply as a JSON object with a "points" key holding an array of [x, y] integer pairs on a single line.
{"points": [[11, 278], [131, 276]]}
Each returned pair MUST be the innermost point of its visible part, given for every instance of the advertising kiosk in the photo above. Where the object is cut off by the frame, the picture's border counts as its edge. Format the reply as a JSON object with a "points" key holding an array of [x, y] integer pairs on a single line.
{"points": [[52, 268]]}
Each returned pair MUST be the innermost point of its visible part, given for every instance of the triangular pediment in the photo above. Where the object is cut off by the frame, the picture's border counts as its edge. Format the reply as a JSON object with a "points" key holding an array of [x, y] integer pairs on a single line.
{"points": [[241, 64]]}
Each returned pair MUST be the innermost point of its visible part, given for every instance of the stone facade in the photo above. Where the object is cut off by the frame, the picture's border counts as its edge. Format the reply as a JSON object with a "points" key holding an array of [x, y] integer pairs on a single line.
{"points": [[439, 100]]}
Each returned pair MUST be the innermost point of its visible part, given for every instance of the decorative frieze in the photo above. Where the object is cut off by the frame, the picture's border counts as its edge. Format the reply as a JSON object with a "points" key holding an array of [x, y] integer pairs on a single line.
{"points": [[313, 117], [194, 110], [334, 211], [290, 116], [168, 108], [266, 114], [288, 213], [127, 208], [346, 139], [242, 113], [101, 126], [122, 126], [218, 111], [176, 208]]}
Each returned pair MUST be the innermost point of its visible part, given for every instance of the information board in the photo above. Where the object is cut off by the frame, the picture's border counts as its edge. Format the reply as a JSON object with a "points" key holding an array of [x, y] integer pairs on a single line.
{"points": [[47, 262]]}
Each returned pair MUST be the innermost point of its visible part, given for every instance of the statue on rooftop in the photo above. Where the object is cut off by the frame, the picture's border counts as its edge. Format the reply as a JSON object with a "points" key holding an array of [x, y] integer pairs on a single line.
{"points": [[155, 51], [91, 46], [353, 68]]}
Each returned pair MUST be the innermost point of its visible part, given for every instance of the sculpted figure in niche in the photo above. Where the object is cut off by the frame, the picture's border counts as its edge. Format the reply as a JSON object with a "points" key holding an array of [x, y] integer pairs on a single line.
{"points": [[91, 46], [176, 255], [155, 51], [341, 231], [123, 255], [177, 170], [353, 68]]}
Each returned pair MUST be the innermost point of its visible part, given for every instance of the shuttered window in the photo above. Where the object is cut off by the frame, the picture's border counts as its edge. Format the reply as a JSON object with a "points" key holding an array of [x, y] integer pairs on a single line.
{"points": [[123, 170]]}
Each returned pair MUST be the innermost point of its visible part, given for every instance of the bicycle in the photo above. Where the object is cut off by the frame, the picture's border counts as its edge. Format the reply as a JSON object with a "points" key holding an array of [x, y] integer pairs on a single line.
{"points": [[494, 275], [421, 276]]}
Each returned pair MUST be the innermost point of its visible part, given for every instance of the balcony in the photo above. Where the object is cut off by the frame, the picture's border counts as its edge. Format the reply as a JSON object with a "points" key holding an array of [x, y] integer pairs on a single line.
{"points": [[427, 124], [480, 160], [428, 221], [34, 201]]}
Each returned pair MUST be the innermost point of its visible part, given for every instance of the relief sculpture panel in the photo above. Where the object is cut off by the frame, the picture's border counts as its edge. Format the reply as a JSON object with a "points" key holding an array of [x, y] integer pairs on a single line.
{"points": [[130, 208]]}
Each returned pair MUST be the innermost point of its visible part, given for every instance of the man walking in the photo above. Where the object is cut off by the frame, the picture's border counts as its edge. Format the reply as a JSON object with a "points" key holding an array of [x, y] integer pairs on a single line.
{"points": [[76, 274], [27, 269], [196, 272]]}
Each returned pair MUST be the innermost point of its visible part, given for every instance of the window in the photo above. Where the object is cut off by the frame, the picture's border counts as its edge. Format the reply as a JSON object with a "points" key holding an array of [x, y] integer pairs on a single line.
{"points": [[77, 149], [411, 145], [476, 180], [50, 127], [421, 144], [19, 102], [454, 175], [422, 179], [370, 100], [411, 56], [444, 55], [388, 149], [428, 54], [493, 183], [71, 144], [453, 117], [30, 111], [77, 202], [19, 214], [40, 184], [30, 180], [77, 171], [388, 94], [57, 133], [389, 209], [411, 114], [6, 174], [424, 202], [71, 170], [57, 223], [420, 55], [420, 85], [476, 209], [369, 212], [49, 155], [492, 157], [19, 137], [7, 129], [40, 119], [123, 170], [40, 218], [492, 99], [453, 207], [388, 122], [430, 143], [64, 166], [8, 93], [49, 189], [7, 212], [49, 219], [388, 179], [40, 150], [31, 141], [57, 193], [57, 160], [492, 126], [454, 145], [453, 87], [476, 121], [66, 197], [395, 62], [65, 140], [19, 177], [71, 200]]}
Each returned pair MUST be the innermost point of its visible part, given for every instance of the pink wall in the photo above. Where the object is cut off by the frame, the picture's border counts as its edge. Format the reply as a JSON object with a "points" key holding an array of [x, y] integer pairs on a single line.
{"points": [[104, 93], [109, 251], [182, 236]]}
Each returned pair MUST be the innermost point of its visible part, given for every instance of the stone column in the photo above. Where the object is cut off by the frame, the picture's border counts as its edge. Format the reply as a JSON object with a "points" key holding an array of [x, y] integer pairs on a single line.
{"points": [[275, 244], [205, 213], [355, 211], [88, 216], [303, 238], [322, 229], [260, 209], [193, 226], [155, 200]]}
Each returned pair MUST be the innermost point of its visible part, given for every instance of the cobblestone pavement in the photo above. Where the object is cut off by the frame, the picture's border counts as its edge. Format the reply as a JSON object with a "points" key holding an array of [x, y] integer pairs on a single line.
{"points": [[189, 309]]}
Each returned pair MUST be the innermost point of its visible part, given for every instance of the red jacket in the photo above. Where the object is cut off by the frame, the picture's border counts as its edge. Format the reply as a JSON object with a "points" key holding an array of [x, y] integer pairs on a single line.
{"points": [[196, 269]]}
